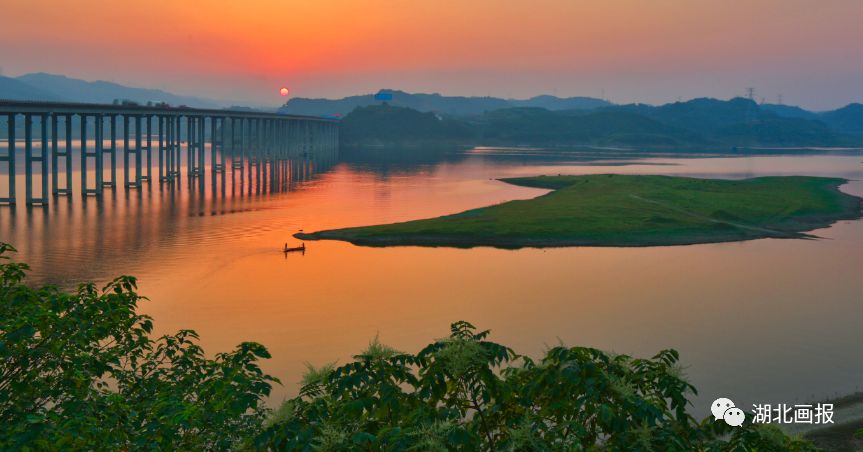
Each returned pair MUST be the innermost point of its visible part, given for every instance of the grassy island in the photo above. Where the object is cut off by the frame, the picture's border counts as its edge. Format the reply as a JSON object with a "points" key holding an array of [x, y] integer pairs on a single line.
{"points": [[628, 210]]}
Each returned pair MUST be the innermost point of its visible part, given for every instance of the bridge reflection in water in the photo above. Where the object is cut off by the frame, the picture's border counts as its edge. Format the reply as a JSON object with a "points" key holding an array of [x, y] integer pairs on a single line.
{"points": [[77, 235], [80, 145]]}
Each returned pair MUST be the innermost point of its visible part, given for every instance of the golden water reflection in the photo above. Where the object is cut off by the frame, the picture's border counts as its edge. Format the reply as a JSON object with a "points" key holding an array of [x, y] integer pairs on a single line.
{"points": [[759, 321]]}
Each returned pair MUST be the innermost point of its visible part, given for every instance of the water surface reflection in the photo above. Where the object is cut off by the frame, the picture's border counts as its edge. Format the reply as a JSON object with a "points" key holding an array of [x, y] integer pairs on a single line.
{"points": [[765, 320]]}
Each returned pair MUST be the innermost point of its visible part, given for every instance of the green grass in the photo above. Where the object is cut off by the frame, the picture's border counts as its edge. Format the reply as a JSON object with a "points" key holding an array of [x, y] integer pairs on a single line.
{"points": [[626, 210]]}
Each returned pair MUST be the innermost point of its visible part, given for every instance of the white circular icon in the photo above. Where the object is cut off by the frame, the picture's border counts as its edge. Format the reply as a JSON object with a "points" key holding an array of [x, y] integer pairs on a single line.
{"points": [[719, 406], [734, 417]]}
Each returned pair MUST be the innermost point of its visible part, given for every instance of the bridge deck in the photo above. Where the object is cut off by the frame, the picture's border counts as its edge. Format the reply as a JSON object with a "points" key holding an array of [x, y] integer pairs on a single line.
{"points": [[66, 108]]}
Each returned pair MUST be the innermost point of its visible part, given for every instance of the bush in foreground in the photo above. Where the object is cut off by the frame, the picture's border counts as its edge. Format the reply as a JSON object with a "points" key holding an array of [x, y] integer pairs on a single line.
{"points": [[81, 371], [466, 393]]}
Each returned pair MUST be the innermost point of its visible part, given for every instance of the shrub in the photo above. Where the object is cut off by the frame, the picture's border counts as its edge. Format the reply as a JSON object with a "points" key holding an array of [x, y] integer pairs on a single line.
{"points": [[80, 371], [467, 393]]}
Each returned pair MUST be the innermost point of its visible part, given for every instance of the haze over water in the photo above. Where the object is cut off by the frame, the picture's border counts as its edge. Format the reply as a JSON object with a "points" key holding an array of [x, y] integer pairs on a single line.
{"points": [[759, 321]]}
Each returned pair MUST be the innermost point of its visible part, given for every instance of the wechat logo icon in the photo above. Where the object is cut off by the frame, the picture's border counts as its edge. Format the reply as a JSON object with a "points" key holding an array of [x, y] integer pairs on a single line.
{"points": [[723, 408]]}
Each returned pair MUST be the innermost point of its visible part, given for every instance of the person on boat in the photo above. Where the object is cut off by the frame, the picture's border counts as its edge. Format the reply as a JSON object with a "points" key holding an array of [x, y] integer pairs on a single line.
{"points": [[286, 246]]}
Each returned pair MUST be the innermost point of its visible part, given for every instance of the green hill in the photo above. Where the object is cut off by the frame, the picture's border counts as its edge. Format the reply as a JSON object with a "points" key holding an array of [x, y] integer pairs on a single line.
{"points": [[780, 132], [700, 123], [386, 124], [789, 111], [699, 115], [848, 119], [741, 122], [603, 128]]}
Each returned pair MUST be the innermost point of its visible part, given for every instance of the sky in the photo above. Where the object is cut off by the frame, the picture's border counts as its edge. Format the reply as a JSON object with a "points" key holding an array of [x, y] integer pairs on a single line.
{"points": [[654, 51]]}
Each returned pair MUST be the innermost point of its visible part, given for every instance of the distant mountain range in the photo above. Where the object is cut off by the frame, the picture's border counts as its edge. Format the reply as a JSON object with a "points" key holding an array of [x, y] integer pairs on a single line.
{"points": [[447, 105], [50, 87], [710, 116], [698, 123], [705, 118], [538, 120]]}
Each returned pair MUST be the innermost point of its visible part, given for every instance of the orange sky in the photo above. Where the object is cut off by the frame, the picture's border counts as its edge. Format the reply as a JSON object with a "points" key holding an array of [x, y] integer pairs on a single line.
{"points": [[633, 50]]}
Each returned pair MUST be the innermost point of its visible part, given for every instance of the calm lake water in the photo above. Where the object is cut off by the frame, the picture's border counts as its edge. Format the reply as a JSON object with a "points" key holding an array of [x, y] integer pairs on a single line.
{"points": [[760, 321]]}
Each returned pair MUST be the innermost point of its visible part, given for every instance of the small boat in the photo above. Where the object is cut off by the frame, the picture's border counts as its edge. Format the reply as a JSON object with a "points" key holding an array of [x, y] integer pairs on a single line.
{"points": [[296, 248]]}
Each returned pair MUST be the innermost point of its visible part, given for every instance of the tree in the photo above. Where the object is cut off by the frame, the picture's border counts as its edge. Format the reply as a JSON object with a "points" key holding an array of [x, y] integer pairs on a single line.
{"points": [[467, 393], [81, 371]]}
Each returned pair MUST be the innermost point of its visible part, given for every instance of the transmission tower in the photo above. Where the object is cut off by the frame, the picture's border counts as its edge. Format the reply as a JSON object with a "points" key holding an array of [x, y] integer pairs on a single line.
{"points": [[750, 117]]}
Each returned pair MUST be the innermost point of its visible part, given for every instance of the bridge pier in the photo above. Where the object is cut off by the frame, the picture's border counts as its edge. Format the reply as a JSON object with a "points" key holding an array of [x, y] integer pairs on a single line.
{"points": [[70, 140], [173, 146], [86, 155], [41, 159], [165, 148], [252, 148], [139, 144], [260, 141], [202, 147], [174, 129], [234, 146], [164, 137], [202, 154], [98, 153], [160, 130], [191, 138], [111, 151], [176, 149], [54, 151], [127, 151], [217, 139], [257, 151], [244, 142], [223, 145], [9, 158], [189, 159], [145, 175]]}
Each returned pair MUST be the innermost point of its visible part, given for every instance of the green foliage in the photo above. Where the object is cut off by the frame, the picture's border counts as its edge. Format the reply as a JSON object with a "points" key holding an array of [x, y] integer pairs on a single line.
{"points": [[386, 124], [467, 393], [847, 119], [539, 126], [80, 371], [702, 123]]}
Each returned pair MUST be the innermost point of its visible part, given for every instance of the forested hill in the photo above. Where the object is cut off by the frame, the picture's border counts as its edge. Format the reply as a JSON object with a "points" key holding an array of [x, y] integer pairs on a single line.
{"points": [[386, 124], [702, 123], [447, 105]]}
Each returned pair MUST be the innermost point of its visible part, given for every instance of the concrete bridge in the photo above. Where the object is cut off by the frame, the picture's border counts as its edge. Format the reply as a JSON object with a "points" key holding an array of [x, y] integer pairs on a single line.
{"points": [[243, 139]]}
